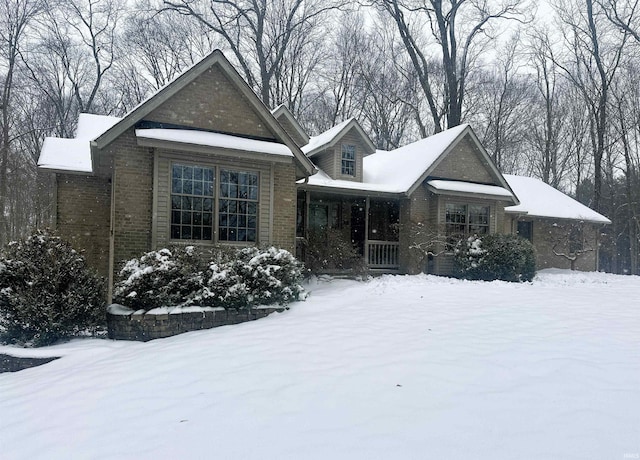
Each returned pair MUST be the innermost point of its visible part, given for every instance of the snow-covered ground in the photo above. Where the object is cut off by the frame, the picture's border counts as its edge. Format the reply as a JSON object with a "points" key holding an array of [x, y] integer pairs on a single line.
{"points": [[399, 367]]}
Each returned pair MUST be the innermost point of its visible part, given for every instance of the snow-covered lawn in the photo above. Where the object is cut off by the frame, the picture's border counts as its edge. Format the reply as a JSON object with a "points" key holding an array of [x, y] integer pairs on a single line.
{"points": [[396, 368]]}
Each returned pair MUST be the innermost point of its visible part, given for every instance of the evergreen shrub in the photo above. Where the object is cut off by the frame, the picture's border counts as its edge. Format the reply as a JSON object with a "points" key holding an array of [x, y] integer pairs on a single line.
{"points": [[496, 257], [230, 279], [166, 277], [47, 291]]}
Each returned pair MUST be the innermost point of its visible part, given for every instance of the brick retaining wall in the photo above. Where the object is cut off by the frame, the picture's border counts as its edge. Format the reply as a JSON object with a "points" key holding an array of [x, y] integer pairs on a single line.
{"points": [[126, 324]]}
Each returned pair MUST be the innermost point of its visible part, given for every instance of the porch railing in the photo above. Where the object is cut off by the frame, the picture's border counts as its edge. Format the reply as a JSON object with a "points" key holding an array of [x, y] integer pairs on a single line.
{"points": [[383, 254]]}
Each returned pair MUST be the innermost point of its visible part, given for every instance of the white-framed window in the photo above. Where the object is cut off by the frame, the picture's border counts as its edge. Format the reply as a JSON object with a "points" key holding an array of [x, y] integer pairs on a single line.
{"points": [[348, 164], [192, 202], [465, 220], [238, 212], [200, 210]]}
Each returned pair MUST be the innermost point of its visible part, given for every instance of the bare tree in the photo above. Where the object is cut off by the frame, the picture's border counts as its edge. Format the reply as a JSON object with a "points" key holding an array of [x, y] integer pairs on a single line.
{"points": [[595, 55], [257, 32], [15, 18], [506, 97], [549, 111], [338, 92], [459, 30], [390, 99]]}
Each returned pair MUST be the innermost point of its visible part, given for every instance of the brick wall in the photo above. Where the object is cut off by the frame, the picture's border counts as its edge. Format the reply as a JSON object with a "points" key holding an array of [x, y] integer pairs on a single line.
{"points": [[415, 226], [83, 216], [212, 102], [284, 207], [548, 233], [133, 198], [464, 162]]}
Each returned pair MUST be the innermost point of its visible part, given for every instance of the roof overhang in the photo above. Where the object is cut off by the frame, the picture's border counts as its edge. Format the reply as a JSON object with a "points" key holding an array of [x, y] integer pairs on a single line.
{"points": [[214, 143], [567, 219], [470, 190]]}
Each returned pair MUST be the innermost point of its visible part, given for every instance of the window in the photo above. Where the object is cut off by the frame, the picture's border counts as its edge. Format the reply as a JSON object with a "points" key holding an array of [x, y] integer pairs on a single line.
{"points": [[349, 160], [525, 229], [238, 216], [464, 220], [192, 195], [194, 202]]}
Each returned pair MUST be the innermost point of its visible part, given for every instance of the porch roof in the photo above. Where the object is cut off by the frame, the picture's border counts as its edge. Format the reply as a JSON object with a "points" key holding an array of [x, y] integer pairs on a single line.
{"points": [[321, 180]]}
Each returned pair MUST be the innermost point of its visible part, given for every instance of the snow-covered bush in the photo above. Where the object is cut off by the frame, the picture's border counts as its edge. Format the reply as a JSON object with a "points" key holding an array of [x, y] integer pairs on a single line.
{"points": [[270, 275], [167, 277], [223, 287], [47, 292], [229, 279], [328, 250], [496, 257]]}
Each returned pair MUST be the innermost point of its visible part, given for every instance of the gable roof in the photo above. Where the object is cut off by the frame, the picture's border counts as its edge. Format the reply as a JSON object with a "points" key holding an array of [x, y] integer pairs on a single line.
{"points": [[103, 139], [330, 137], [283, 111], [403, 170], [542, 200]]}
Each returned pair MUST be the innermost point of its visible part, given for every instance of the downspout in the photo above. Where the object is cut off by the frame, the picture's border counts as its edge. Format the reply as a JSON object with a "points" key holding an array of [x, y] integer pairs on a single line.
{"points": [[112, 237], [271, 202]]}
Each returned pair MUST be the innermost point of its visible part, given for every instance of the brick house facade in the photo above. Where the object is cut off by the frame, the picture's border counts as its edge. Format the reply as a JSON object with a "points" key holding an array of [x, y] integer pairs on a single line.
{"points": [[203, 161]]}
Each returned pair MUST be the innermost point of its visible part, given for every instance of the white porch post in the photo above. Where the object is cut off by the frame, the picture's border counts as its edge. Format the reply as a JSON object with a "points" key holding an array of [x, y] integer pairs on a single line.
{"points": [[366, 231]]}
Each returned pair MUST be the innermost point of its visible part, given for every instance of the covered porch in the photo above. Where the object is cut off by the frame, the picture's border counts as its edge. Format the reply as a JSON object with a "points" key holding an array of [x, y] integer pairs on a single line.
{"points": [[370, 224]]}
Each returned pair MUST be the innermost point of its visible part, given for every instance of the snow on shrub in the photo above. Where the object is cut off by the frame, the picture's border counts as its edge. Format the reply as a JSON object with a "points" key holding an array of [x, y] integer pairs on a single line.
{"points": [[270, 275], [163, 278], [237, 279], [496, 257], [47, 292]]}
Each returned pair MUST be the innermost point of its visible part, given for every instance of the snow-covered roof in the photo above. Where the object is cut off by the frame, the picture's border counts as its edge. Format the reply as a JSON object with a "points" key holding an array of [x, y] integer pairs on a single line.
{"points": [[541, 200], [322, 179], [404, 166], [209, 139], [331, 136], [469, 188], [397, 171], [75, 154], [91, 126]]}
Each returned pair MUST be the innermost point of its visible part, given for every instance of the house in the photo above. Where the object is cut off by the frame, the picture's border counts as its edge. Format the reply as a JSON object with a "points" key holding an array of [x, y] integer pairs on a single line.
{"points": [[204, 161], [201, 161]]}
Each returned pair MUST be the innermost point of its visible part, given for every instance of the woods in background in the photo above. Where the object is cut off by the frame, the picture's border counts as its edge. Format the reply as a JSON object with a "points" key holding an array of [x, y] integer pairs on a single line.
{"points": [[552, 93]]}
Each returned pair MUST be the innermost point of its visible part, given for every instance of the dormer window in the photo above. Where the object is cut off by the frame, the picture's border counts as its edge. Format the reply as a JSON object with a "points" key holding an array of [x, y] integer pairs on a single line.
{"points": [[348, 160]]}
